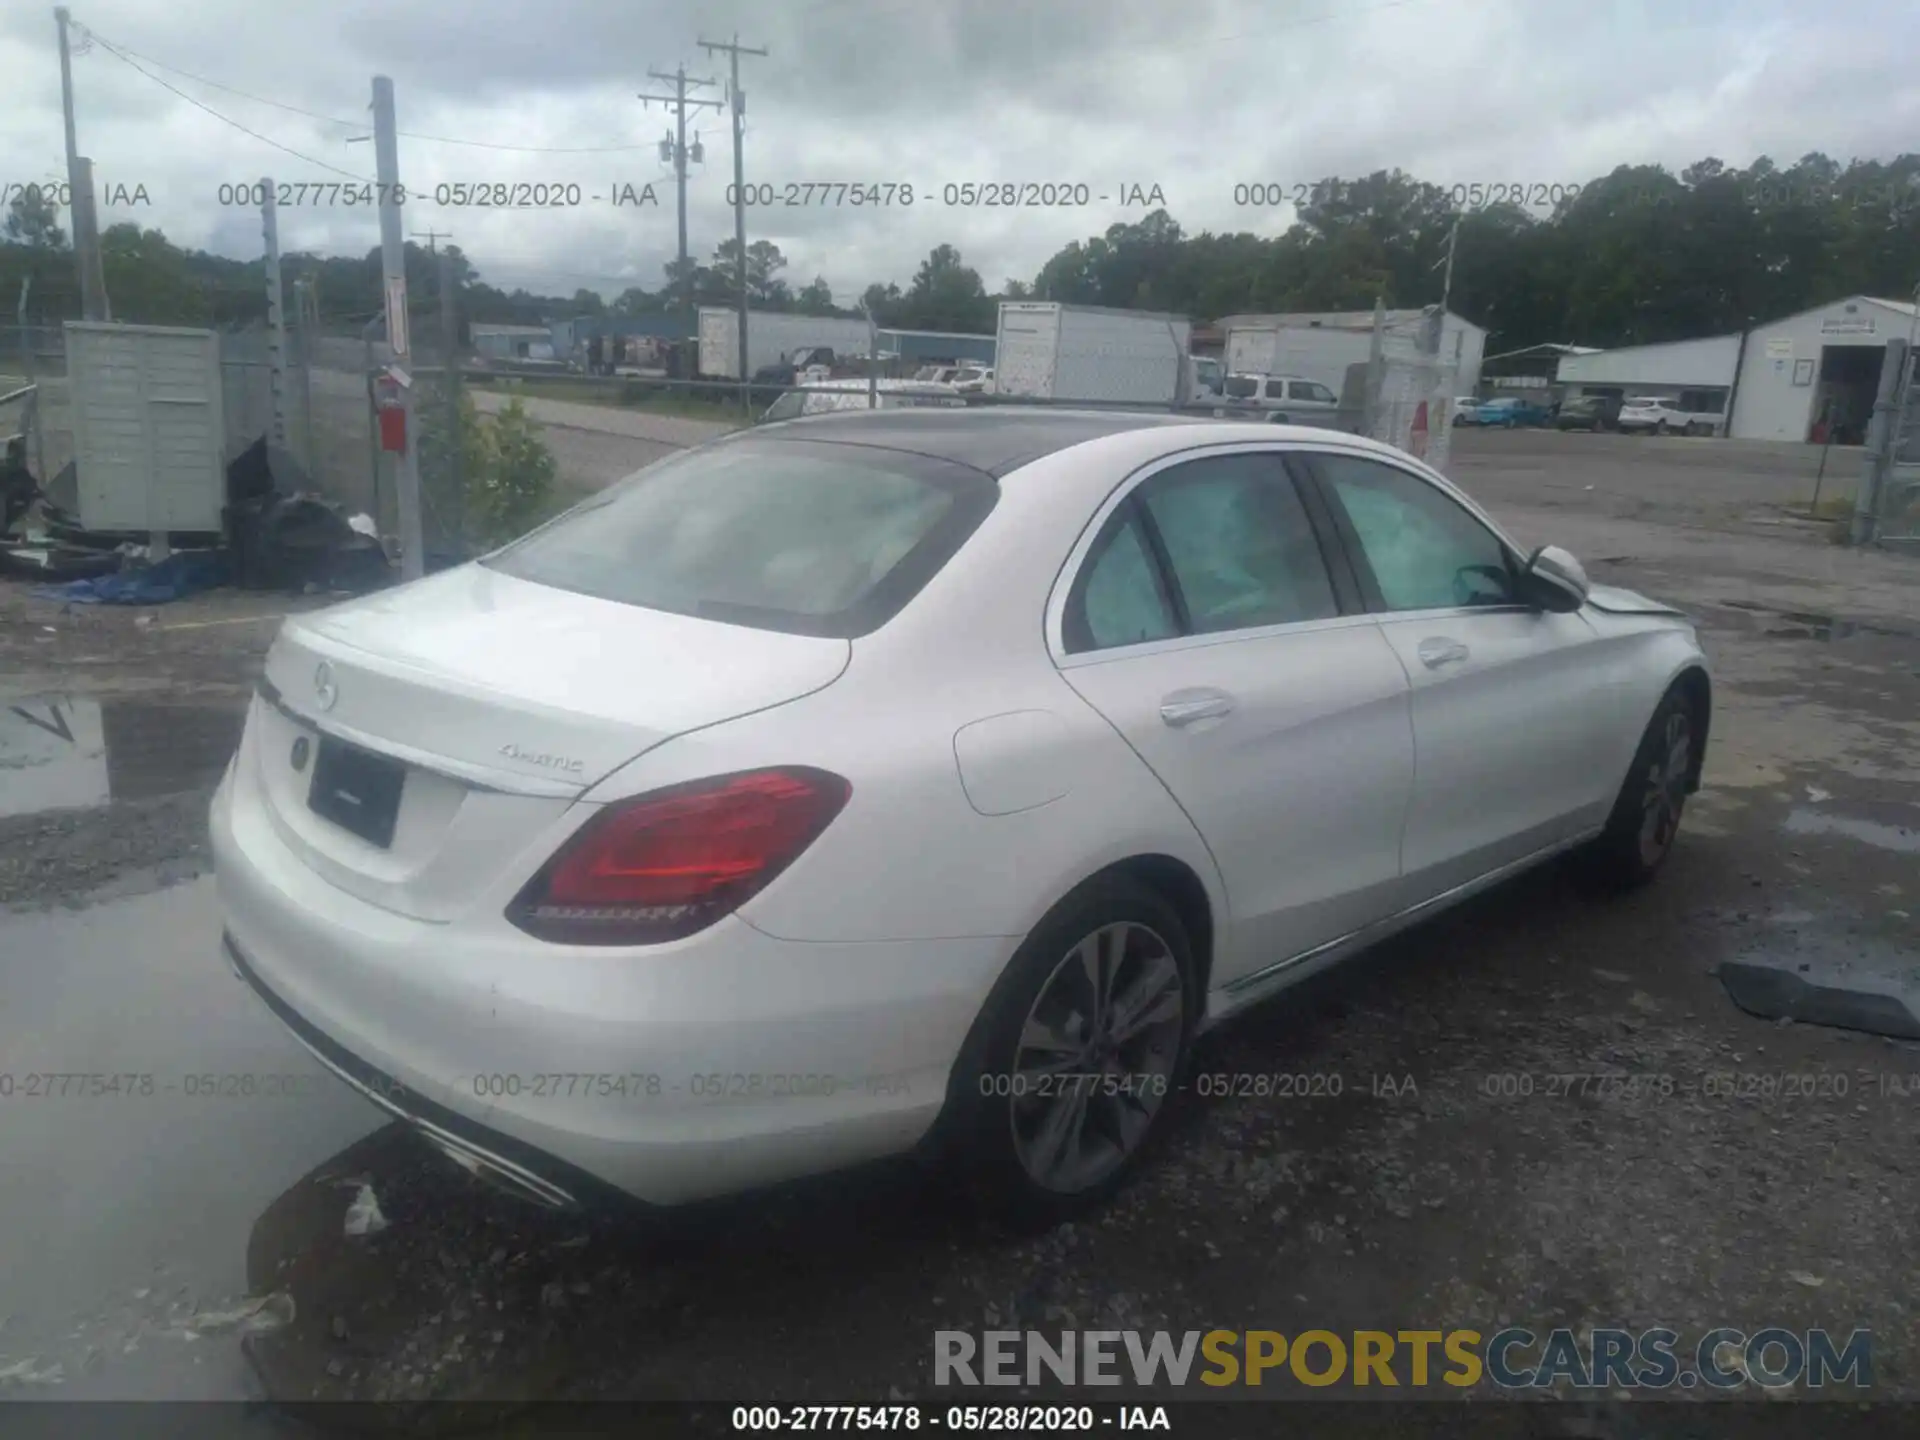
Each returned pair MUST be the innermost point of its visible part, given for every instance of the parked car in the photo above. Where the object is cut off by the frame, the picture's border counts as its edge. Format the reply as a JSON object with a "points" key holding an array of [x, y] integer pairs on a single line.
{"points": [[958, 770], [1286, 399], [1466, 410], [1510, 412], [1662, 415], [1588, 412], [973, 380]]}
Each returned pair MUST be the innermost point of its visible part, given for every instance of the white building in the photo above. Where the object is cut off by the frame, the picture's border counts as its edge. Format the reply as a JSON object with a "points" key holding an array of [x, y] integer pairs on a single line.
{"points": [[1275, 343], [1821, 362], [1780, 378], [1696, 374]]}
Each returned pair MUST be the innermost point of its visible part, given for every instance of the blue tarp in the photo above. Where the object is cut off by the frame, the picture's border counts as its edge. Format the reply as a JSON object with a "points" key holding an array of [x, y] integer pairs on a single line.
{"points": [[174, 578]]}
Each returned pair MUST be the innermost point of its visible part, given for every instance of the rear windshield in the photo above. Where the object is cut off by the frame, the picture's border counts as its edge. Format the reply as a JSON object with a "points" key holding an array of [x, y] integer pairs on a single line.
{"points": [[806, 537], [1242, 387]]}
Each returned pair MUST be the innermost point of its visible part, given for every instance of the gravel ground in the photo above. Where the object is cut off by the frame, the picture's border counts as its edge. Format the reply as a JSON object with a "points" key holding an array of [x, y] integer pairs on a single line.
{"points": [[1426, 1193]]}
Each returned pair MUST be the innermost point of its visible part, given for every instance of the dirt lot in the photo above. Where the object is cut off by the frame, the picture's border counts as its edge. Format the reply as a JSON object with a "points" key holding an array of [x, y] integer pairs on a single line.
{"points": [[1429, 1192]]}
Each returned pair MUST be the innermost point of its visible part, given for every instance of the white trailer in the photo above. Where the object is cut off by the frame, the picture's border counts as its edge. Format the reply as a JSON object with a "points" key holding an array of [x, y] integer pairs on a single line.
{"points": [[149, 427], [1049, 351], [1310, 354], [1321, 347], [771, 336]]}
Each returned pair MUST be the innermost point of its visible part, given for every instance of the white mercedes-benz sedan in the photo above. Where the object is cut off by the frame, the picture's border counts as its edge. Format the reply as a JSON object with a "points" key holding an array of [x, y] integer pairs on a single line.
{"points": [[916, 781]]}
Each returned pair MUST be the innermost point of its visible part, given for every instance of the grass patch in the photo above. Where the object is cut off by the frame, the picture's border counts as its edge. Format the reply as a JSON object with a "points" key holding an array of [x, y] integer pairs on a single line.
{"points": [[643, 396], [1832, 506]]}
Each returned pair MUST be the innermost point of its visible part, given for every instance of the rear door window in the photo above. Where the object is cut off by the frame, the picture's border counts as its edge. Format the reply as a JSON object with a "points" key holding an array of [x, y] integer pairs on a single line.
{"points": [[1121, 599], [807, 537], [1239, 543]]}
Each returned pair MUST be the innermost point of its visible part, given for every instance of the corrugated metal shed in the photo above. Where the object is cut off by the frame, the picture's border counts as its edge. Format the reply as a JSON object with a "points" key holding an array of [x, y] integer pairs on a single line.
{"points": [[1708, 362]]}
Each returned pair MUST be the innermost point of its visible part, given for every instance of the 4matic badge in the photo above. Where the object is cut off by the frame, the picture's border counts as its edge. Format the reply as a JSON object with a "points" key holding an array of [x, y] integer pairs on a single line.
{"points": [[545, 762]]}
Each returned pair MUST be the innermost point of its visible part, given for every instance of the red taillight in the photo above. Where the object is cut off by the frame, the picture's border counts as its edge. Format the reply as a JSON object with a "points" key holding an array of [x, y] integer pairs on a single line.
{"points": [[667, 864]]}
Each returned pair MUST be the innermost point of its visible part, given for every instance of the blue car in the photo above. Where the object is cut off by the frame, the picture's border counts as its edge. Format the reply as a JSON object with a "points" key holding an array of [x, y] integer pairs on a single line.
{"points": [[1513, 413]]}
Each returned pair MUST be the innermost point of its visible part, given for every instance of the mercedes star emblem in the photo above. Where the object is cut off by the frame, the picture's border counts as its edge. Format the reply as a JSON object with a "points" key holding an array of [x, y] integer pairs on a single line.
{"points": [[325, 690]]}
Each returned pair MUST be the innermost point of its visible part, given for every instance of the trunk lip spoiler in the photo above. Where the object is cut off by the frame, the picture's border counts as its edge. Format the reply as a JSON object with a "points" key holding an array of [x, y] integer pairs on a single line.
{"points": [[477, 777]]}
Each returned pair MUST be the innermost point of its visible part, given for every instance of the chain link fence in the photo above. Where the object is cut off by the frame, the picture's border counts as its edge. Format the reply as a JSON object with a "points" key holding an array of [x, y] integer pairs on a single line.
{"points": [[1410, 406], [1898, 521]]}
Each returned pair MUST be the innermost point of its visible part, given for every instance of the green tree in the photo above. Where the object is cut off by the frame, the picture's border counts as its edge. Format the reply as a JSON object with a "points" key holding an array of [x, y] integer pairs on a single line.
{"points": [[34, 221], [946, 294], [882, 302], [511, 488], [765, 288], [816, 298]]}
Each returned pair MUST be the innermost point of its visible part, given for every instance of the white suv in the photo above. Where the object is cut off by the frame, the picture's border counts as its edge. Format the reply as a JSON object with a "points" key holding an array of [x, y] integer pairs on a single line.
{"points": [[1663, 415], [1285, 398]]}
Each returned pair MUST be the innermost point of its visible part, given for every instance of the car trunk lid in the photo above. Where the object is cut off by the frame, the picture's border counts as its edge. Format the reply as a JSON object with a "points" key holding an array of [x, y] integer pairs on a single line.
{"points": [[409, 745]]}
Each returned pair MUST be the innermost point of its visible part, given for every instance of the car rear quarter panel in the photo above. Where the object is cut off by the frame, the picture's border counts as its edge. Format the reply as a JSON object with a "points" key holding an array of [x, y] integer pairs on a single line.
{"points": [[984, 788]]}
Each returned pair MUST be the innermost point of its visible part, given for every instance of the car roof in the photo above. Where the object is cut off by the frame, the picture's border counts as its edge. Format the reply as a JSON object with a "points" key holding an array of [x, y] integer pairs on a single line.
{"points": [[997, 439]]}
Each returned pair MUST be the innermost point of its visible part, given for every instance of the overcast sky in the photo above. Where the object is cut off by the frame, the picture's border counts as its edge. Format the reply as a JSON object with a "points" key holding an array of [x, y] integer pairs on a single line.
{"points": [[1193, 97]]}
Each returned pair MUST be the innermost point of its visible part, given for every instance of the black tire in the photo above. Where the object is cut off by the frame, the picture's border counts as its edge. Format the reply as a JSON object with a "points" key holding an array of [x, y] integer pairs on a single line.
{"points": [[984, 1119], [1636, 842]]}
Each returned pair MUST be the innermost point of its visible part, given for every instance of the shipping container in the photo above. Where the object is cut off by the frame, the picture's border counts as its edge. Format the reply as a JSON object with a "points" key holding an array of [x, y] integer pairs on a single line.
{"points": [[149, 427], [1050, 351]]}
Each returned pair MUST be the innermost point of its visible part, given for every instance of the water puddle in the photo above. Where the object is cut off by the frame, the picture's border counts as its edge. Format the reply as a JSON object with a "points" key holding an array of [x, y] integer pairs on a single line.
{"points": [[1900, 838], [61, 752], [1809, 625]]}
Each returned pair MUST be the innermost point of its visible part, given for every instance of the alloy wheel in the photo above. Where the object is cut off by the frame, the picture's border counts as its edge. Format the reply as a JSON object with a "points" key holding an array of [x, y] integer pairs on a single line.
{"points": [[1096, 1057], [1666, 789]]}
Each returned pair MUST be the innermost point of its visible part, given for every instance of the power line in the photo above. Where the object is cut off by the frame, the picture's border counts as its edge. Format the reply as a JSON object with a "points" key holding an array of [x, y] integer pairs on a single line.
{"points": [[360, 124], [264, 139]]}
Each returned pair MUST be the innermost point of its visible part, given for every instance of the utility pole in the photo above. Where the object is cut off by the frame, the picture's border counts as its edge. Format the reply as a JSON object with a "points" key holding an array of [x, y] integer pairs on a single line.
{"points": [[393, 263], [678, 102], [303, 328], [276, 318], [86, 232], [737, 102], [456, 495]]}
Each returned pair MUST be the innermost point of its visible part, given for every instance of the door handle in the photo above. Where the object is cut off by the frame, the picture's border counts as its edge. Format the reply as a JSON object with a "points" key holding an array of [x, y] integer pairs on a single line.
{"points": [[1186, 707], [1441, 651]]}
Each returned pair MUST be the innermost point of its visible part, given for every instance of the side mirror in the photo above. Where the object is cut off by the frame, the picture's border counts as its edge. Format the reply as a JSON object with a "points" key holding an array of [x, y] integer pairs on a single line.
{"points": [[1555, 580]]}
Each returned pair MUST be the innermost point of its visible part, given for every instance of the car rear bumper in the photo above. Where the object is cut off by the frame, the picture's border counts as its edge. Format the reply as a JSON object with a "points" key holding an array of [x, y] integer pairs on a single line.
{"points": [[704, 1067]]}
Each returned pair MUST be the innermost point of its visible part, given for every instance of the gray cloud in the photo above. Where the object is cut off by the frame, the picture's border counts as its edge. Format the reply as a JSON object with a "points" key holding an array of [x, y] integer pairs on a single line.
{"points": [[1190, 96]]}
